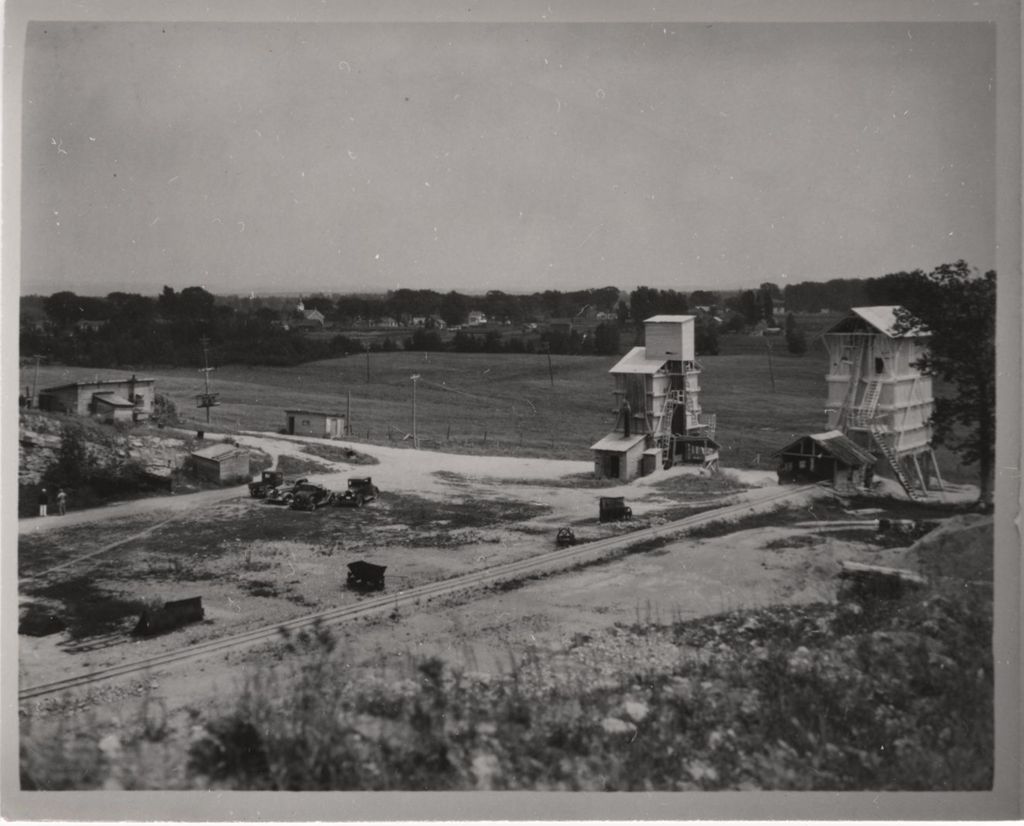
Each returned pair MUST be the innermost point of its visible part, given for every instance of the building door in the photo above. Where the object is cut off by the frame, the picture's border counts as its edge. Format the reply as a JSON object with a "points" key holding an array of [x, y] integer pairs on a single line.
{"points": [[291, 425], [613, 466]]}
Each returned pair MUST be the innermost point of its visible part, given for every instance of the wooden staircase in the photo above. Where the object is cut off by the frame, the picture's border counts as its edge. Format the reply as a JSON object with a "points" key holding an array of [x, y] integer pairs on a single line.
{"points": [[881, 438]]}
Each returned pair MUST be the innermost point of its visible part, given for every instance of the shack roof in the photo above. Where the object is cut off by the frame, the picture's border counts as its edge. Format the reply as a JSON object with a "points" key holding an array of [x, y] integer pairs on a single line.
{"points": [[669, 319], [314, 413], [636, 361], [881, 318], [617, 443], [98, 383], [218, 453], [835, 444]]}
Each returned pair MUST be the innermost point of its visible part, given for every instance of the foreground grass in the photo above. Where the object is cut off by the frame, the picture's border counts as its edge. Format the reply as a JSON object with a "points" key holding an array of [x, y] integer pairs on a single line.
{"points": [[887, 696]]}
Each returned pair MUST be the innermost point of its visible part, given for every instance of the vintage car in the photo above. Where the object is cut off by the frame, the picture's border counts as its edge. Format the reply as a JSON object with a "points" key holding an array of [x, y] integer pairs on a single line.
{"points": [[309, 497], [268, 480], [282, 494], [566, 538], [360, 491]]}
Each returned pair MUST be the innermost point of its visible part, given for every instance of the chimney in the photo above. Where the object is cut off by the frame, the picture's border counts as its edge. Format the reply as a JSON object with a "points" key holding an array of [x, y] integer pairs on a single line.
{"points": [[627, 419]]}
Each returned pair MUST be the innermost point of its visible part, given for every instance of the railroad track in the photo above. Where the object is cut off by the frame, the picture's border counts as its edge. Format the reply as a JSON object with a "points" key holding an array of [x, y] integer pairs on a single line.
{"points": [[543, 564]]}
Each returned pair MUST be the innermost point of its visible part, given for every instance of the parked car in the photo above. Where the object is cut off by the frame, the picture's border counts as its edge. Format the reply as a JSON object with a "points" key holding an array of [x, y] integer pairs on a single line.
{"points": [[283, 494], [268, 480], [360, 490], [308, 497]]}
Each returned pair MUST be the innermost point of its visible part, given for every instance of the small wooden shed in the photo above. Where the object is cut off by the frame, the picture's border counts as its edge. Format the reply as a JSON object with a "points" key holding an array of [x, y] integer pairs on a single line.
{"points": [[826, 457], [315, 423], [221, 463]]}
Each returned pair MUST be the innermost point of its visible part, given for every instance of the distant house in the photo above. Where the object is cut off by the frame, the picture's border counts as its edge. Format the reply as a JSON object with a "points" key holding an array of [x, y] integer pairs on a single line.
{"points": [[111, 400], [560, 325], [315, 423], [435, 322], [221, 463], [476, 318], [387, 321], [90, 325], [314, 316]]}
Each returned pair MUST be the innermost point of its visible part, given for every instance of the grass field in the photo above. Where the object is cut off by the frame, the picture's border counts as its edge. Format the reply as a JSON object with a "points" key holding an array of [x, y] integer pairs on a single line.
{"points": [[505, 404]]}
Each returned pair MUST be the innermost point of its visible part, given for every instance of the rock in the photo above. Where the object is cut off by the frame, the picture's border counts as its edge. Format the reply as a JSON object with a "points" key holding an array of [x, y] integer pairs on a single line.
{"points": [[634, 710], [613, 725]]}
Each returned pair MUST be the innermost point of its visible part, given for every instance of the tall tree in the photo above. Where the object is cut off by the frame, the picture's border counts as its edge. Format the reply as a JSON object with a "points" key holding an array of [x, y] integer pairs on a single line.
{"points": [[957, 306]]}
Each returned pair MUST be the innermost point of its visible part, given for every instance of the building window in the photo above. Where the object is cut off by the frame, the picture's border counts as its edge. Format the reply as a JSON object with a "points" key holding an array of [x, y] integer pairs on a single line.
{"points": [[879, 365], [305, 422]]}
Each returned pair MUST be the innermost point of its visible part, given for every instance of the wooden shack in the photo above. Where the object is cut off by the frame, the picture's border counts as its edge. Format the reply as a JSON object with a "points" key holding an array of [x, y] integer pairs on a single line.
{"points": [[826, 457], [221, 463]]}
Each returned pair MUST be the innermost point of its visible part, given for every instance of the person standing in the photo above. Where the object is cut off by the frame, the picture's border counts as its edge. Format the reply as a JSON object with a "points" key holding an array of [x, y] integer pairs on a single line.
{"points": [[44, 500], [62, 502]]}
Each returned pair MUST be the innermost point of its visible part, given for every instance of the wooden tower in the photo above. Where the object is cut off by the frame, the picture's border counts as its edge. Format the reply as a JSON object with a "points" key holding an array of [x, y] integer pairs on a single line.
{"points": [[879, 398], [657, 396]]}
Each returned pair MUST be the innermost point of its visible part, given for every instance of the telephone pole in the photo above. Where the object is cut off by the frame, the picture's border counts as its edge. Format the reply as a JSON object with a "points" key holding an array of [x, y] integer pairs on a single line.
{"points": [[771, 369], [206, 399], [415, 440]]}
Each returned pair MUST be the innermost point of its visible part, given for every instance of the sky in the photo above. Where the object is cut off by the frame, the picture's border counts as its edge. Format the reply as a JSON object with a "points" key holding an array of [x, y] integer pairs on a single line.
{"points": [[302, 157]]}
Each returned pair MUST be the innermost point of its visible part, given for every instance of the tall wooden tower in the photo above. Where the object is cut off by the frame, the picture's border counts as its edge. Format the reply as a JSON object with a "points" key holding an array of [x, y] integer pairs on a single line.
{"points": [[657, 396], [878, 398]]}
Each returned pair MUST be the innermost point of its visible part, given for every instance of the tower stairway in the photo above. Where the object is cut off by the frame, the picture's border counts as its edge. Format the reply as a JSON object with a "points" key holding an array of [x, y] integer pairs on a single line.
{"points": [[864, 415], [881, 438], [663, 429], [851, 391]]}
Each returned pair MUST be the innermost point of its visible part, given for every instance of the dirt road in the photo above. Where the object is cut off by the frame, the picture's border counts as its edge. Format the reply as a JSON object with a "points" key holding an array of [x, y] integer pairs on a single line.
{"points": [[404, 470]]}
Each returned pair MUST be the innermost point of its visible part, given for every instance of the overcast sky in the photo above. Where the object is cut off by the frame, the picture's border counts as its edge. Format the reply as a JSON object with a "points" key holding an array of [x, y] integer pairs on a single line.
{"points": [[521, 157]]}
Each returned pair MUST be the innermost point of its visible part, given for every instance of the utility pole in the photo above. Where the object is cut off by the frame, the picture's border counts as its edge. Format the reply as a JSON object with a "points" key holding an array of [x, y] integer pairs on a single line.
{"points": [[551, 371], [771, 369], [415, 440], [35, 381], [348, 415], [366, 344], [206, 399]]}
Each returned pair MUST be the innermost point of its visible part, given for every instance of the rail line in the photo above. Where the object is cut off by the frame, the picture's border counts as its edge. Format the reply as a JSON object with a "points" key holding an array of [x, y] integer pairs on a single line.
{"points": [[545, 563]]}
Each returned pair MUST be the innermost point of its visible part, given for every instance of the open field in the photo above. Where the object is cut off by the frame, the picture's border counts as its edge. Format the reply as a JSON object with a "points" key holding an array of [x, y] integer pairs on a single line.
{"points": [[507, 404]]}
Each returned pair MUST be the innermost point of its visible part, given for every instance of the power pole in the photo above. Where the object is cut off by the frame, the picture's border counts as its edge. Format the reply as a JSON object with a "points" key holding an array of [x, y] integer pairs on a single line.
{"points": [[551, 371], [348, 415], [206, 399], [771, 369], [35, 381], [415, 440], [366, 344]]}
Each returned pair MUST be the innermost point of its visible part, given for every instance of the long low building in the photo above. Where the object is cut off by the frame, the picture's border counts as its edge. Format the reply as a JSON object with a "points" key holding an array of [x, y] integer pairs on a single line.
{"points": [[113, 400], [315, 423]]}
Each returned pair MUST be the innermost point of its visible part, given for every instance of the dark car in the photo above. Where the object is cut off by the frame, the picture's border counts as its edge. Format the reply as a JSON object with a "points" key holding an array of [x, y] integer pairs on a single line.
{"points": [[360, 491], [268, 480], [282, 494], [308, 497]]}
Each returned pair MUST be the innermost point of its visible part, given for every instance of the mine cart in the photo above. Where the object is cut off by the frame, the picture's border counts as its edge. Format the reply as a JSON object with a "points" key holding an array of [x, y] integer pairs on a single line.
{"points": [[365, 576], [269, 480], [614, 508], [565, 538], [172, 615]]}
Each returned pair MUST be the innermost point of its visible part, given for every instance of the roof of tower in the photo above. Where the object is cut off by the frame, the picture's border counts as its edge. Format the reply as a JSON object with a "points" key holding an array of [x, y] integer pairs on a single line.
{"points": [[881, 318], [636, 361]]}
